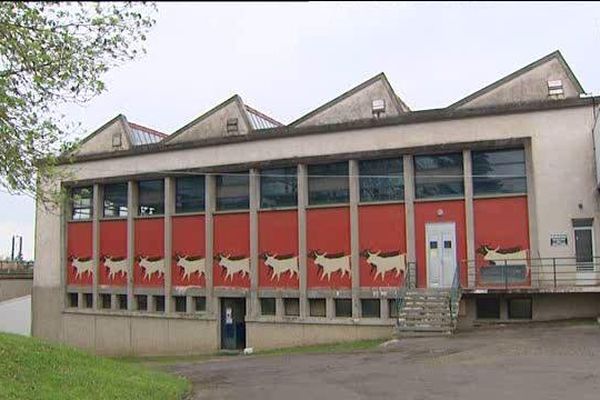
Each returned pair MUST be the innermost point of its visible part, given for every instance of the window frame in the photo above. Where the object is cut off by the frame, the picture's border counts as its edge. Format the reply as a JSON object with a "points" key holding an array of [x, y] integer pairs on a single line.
{"points": [[287, 300], [263, 300], [323, 176], [477, 179], [284, 176], [447, 181], [104, 206], [219, 187], [139, 197], [313, 301], [72, 202], [335, 307], [362, 308], [379, 178], [202, 199]]}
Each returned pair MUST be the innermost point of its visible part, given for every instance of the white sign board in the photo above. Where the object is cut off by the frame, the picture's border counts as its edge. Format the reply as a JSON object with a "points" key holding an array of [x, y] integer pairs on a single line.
{"points": [[558, 240]]}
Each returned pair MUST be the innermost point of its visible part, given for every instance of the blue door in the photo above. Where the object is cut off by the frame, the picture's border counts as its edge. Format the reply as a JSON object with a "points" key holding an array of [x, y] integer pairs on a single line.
{"points": [[233, 326]]}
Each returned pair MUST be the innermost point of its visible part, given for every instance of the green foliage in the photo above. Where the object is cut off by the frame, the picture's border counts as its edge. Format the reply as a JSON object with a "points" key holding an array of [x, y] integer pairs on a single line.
{"points": [[33, 369], [52, 54]]}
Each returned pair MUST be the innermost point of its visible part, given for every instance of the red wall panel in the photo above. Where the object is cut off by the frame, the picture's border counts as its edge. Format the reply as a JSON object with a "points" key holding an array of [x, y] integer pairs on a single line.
{"points": [[277, 235], [79, 245], [381, 228], [188, 240], [426, 212], [149, 242], [113, 243], [328, 230], [231, 238]]}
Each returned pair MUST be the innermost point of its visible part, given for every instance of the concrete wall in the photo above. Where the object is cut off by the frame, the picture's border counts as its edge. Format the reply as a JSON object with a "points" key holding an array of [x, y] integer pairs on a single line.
{"points": [[102, 140], [11, 288], [15, 315]]}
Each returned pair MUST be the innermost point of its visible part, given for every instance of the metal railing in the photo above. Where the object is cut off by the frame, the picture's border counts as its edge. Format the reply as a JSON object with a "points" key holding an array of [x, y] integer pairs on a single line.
{"points": [[550, 272], [408, 282], [455, 293]]}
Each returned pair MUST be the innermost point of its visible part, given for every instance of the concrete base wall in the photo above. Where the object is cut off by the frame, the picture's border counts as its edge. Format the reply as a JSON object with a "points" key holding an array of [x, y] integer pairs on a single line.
{"points": [[13, 288], [268, 335]]}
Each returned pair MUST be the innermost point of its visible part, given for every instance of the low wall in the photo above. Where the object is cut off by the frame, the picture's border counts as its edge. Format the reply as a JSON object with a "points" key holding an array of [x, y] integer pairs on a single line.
{"points": [[15, 285]]}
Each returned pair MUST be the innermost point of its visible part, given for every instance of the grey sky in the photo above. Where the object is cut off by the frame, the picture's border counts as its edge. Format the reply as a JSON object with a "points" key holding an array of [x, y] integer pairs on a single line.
{"points": [[287, 59]]}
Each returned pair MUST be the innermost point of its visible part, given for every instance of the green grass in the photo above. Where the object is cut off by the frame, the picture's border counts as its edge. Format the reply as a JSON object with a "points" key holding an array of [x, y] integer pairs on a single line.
{"points": [[33, 369]]}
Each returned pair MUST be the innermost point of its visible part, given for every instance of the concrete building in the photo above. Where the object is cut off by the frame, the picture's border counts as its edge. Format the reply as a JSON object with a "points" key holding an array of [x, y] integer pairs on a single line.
{"points": [[359, 217]]}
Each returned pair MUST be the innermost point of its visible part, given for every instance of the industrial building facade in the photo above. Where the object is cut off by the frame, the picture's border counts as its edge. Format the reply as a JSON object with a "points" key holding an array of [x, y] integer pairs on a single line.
{"points": [[239, 231]]}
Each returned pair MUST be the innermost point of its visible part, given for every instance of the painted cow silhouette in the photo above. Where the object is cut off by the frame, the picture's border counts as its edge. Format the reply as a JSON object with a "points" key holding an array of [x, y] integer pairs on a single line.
{"points": [[115, 265], [386, 262], [511, 256], [234, 265], [189, 265], [82, 266], [152, 266], [331, 264], [281, 265]]}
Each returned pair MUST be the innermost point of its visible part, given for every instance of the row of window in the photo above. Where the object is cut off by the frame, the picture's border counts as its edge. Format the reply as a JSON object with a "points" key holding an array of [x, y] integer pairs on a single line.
{"points": [[370, 308], [436, 176], [198, 303]]}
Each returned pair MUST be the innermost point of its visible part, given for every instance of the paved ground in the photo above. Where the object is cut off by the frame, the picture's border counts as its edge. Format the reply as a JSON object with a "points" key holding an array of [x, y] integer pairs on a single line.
{"points": [[527, 362]]}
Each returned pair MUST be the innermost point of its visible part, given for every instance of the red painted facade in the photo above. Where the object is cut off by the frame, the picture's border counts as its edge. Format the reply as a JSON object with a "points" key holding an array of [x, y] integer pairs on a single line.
{"points": [[328, 230], [149, 242], [381, 228], [79, 245], [427, 212], [188, 240], [277, 235], [232, 239], [113, 244]]}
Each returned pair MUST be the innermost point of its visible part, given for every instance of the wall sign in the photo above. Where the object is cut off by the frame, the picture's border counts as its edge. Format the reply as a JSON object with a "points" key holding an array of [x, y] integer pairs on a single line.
{"points": [[558, 240]]}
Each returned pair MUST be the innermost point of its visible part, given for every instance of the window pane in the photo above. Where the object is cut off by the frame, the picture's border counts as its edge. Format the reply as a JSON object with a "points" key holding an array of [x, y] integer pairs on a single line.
{"points": [[370, 308], [180, 304], [519, 308], [233, 192], [381, 180], [328, 183], [278, 187], [439, 176], [343, 307], [115, 200], [189, 194], [81, 202], [267, 306], [487, 307], [151, 197], [291, 307], [200, 303], [317, 307], [500, 171]]}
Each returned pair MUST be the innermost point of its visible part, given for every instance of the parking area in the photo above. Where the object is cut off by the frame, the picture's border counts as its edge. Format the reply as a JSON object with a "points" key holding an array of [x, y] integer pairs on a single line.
{"points": [[543, 361]]}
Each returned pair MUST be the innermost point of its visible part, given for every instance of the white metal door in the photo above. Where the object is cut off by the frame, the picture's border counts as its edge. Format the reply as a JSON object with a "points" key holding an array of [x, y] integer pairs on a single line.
{"points": [[584, 254], [440, 245]]}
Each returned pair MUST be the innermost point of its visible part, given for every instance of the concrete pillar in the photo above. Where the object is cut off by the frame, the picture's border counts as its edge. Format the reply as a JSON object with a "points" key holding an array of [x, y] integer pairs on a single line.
{"points": [[279, 306], [384, 311], [168, 240], [132, 194], [469, 217], [302, 247], [210, 202], [189, 305], [96, 212], [254, 308], [330, 308], [531, 203], [354, 186], [65, 216], [409, 209]]}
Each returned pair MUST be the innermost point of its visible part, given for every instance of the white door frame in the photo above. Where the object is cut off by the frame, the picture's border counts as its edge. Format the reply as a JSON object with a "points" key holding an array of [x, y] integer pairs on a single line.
{"points": [[450, 227], [585, 277]]}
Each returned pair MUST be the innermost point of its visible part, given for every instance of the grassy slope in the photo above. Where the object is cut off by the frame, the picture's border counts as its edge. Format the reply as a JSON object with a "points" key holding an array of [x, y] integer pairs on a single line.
{"points": [[32, 369]]}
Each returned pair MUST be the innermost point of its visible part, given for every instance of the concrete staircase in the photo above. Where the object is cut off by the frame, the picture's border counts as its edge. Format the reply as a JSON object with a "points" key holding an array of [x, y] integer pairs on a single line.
{"points": [[425, 312]]}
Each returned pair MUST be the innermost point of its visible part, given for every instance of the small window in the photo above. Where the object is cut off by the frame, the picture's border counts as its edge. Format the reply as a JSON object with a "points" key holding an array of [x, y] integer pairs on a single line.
{"points": [[115, 200], [88, 300], [328, 183], [122, 301], [488, 307], [81, 202], [499, 171], [159, 303], [381, 180], [189, 194], [393, 308], [447, 244], [233, 192], [73, 300], [141, 302], [180, 304], [278, 187], [433, 245], [317, 307], [200, 303], [151, 197], [106, 303], [520, 308], [439, 176], [267, 306], [370, 308], [291, 307], [343, 308]]}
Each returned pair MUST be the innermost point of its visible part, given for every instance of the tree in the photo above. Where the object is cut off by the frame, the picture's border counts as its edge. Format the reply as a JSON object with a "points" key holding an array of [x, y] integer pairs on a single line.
{"points": [[52, 54]]}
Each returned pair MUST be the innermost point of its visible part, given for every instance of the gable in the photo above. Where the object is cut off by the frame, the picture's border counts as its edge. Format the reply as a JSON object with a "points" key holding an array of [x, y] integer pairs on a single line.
{"points": [[356, 104], [101, 140], [527, 85]]}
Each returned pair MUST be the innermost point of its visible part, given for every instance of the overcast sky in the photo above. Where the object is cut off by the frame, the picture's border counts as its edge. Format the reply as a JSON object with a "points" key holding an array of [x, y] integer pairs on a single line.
{"points": [[287, 59]]}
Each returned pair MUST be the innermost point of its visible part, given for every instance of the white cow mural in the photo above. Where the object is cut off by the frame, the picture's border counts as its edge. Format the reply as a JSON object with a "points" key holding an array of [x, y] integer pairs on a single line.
{"points": [[152, 266], [115, 265], [333, 263], [514, 256], [190, 265], [281, 265], [386, 262], [234, 265], [82, 266]]}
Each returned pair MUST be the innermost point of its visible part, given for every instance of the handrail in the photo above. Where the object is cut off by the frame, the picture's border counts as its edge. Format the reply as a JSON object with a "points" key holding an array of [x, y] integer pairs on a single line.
{"points": [[454, 294], [405, 284]]}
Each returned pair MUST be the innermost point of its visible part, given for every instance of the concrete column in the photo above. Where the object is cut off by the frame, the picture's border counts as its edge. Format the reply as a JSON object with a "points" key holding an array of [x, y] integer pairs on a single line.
{"points": [[531, 203], [96, 212], [469, 217], [210, 202], [168, 241], [279, 307], [384, 311], [189, 305], [132, 194], [409, 209], [302, 247], [254, 309], [354, 186], [329, 308], [64, 270]]}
